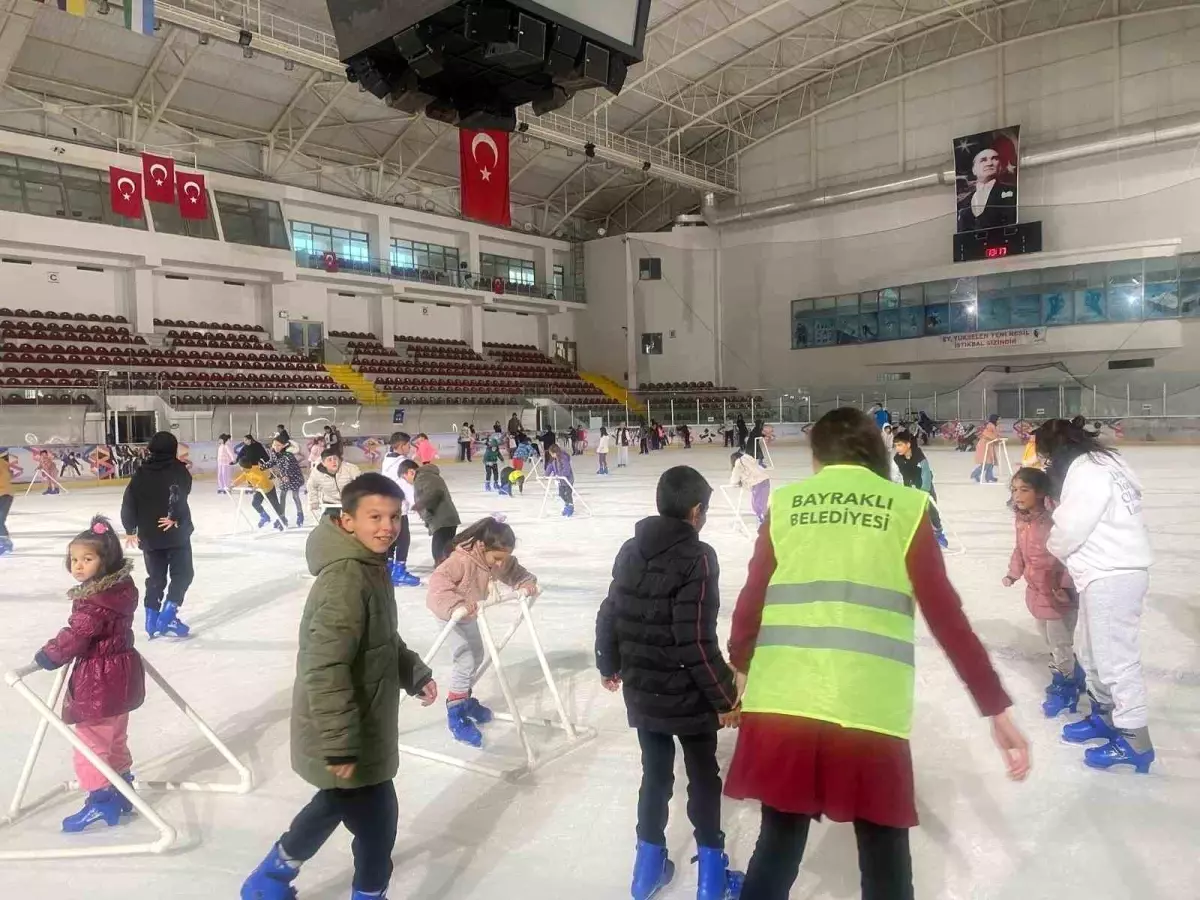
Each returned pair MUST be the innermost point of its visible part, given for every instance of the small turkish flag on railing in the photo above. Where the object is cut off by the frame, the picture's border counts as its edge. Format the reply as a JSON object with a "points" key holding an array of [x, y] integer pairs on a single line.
{"points": [[483, 168], [159, 175], [125, 192], [193, 198]]}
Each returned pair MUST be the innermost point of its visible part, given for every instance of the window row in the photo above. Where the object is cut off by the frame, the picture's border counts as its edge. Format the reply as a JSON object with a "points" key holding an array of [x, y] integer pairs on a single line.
{"points": [[1125, 291], [41, 188], [312, 239], [512, 271], [251, 220], [417, 255]]}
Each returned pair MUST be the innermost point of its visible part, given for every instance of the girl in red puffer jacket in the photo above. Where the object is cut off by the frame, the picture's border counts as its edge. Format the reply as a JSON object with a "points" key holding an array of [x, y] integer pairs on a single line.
{"points": [[108, 681]]}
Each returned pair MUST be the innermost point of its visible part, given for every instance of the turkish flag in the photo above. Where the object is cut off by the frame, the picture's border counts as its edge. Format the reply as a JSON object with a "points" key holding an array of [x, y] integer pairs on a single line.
{"points": [[483, 166], [125, 192], [193, 197], [159, 175]]}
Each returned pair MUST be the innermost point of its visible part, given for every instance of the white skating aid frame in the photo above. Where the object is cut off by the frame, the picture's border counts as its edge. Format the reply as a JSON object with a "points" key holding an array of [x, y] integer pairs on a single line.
{"points": [[241, 516], [18, 808], [766, 452], [576, 735], [1003, 460], [735, 506], [551, 482], [45, 478]]}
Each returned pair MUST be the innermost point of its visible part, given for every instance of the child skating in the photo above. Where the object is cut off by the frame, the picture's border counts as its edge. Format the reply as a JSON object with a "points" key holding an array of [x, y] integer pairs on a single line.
{"points": [[622, 446], [286, 469], [351, 667], [434, 505], [510, 478], [491, 465], [656, 638], [225, 462], [747, 473], [915, 472], [1049, 593], [399, 448], [256, 477], [481, 554], [558, 465], [325, 482], [603, 448], [108, 681], [6, 501]]}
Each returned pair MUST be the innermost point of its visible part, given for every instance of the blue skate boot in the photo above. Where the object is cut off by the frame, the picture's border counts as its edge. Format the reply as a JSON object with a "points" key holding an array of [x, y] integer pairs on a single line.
{"points": [[364, 895], [487, 486], [1062, 693], [169, 622], [263, 519], [1128, 748], [104, 805], [401, 577], [569, 510], [299, 519], [476, 711], [461, 727], [1096, 727], [941, 539], [6, 545], [505, 489], [273, 878], [152, 616], [652, 871], [716, 881]]}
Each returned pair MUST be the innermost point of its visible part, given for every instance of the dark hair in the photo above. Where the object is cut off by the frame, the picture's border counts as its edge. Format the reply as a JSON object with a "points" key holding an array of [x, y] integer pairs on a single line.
{"points": [[1060, 436], [848, 436], [553, 450], [680, 490], [735, 456], [489, 531], [100, 538], [409, 465], [423, 435], [603, 431], [399, 437], [1079, 422], [372, 484], [332, 450], [223, 437], [248, 437], [1035, 478]]}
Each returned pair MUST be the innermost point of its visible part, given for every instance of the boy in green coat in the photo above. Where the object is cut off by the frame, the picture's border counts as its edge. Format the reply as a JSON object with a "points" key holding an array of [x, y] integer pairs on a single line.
{"points": [[350, 670], [434, 505], [491, 465]]}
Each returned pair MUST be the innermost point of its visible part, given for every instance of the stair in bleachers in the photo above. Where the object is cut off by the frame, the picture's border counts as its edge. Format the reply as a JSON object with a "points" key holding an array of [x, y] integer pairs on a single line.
{"points": [[362, 388], [615, 391]]}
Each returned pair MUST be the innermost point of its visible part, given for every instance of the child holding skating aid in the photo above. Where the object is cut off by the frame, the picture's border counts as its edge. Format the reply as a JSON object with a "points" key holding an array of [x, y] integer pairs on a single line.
{"points": [[747, 473], [1049, 592], [491, 465], [603, 448], [558, 465], [286, 469], [523, 452], [6, 500], [434, 505], [350, 669], [399, 448], [108, 681], [656, 637], [256, 477], [915, 472], [481, 554]]}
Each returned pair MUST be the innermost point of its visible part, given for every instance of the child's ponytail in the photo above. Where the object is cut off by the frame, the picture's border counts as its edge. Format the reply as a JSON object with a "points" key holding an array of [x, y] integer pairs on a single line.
{"points": [[101, 538], [489, 531]]}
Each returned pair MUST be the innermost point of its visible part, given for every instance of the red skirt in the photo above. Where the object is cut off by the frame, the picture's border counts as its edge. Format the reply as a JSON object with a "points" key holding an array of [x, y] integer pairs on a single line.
{"points": [[818, 768]]}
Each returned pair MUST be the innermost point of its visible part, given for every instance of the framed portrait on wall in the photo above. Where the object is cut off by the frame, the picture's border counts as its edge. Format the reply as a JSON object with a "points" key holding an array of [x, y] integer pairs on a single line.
{"points": [[986, 168]]}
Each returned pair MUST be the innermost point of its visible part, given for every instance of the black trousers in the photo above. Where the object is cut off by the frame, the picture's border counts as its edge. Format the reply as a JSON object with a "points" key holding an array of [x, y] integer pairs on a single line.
{"points": [[464, 451], [399, 550], [369, 813], [728, 438], [491, 473], [273, 497], [174, 563], [566, 492], [441, 543], [883, 858], [658, 782], [935, 518], [6, 503]]}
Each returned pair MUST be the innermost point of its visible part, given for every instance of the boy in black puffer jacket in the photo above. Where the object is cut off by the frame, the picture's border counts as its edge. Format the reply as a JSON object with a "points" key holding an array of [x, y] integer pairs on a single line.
{"points": [[656, 635]]}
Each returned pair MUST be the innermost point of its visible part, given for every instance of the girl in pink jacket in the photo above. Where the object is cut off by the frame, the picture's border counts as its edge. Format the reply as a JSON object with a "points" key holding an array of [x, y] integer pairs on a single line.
{"points": [[108, 681], [479, 555], [1049, 593]]}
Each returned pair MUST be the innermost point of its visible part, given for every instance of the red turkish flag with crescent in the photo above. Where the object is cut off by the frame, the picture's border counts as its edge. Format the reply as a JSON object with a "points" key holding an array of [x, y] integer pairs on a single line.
{"points": [[158, 173], [193, 197], [483, 166], [125, 192]]}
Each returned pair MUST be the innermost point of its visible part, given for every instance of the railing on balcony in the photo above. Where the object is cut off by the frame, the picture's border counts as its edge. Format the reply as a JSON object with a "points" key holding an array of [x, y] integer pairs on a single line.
{"points": [[450, 278]]}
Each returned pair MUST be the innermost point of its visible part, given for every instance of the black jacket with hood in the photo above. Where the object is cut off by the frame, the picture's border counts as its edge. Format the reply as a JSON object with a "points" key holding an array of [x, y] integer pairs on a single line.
{"points": [[657, 629], [159, 489]]}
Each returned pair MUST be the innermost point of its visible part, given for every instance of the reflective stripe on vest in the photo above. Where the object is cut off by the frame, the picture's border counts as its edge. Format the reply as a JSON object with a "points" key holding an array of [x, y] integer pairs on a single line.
{"points": [[836, 640]]}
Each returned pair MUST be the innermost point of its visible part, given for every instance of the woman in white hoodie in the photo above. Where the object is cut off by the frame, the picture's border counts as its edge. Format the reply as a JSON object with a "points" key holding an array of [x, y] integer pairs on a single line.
{"points": [[1100, 536]]}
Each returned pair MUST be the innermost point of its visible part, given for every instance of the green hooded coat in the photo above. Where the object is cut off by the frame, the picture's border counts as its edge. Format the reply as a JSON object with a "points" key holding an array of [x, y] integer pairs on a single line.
{"points": [[351, 666]]}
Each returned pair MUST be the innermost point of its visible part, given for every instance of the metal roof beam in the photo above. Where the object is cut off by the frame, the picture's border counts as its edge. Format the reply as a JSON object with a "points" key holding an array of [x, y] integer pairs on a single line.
{"points": [[163, 104], [583, 202], [312, 126], [311, 80], [159, 58]]}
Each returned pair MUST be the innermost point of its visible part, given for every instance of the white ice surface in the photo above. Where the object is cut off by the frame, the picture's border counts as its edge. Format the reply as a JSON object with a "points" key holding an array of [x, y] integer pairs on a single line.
{"points": [[568, 830]]}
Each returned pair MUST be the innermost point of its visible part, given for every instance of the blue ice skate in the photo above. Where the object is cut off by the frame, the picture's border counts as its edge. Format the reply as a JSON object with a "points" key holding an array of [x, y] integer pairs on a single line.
{"points": [[652, 871], [401, 576], [169, 622], [476, 711], [487, 486], [364, 895], [1063, 692], [104, 805], [1119, 752], [152, 622], [461, 727], [505, 489], [299, 519], [263, 519], [273, 878], [569, 510], [1094, 728], [6, 545], [941, 539], [716, 880]]}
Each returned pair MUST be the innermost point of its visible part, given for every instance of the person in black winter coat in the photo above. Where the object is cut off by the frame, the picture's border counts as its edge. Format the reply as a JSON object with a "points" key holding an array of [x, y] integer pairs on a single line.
{"points": [[656, 637], [156, 518], [253, 451]]}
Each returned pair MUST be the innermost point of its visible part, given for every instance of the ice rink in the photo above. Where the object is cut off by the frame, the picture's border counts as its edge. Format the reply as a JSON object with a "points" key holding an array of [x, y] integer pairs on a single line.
{"points": [[568, 830]]}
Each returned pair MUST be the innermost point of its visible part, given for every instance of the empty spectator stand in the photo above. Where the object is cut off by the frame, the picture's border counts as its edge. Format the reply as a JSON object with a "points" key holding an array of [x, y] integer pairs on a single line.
{"points": [[692, 397]]}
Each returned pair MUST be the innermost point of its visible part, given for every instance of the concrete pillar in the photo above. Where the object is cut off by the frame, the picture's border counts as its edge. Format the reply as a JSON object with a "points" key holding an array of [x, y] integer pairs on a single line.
{"points": [[469, 251], [472, 327], [631, 336], [279, 303], [380, 233], [543, 341], [141, 296], [387, 320], [543, 262]]}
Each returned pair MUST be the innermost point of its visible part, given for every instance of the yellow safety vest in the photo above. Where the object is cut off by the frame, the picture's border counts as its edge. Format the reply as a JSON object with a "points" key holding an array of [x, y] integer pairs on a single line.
{"points": [[836, 641]]}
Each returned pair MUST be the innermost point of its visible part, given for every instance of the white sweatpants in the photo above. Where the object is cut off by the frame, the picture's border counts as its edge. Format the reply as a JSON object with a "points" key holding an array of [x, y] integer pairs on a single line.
{"points": [[466, 649], [1106, 643], [622, 456]]}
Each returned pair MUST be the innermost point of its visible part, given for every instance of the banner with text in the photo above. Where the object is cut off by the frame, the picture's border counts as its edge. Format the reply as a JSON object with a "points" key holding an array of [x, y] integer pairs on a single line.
{"points": [[990, 340]]}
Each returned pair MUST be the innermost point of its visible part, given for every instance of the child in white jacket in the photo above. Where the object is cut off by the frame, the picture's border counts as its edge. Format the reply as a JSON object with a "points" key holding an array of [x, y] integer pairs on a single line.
{"points": [[400, 449], [603, 447], [747, 473], [1100, 536]]}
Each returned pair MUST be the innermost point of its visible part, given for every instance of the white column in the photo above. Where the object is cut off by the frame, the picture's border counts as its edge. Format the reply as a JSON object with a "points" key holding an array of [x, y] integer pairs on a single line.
{"points": [[631, 338], [381, 236], [279, 304], [387, 320], [472, 327], [543, 327], [543, 262], [142, 300], [470, 250]]}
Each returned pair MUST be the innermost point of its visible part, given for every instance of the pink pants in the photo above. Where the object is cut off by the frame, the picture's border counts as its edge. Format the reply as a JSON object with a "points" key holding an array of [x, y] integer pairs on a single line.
{"points": [[108, 739], [222, 477]]}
